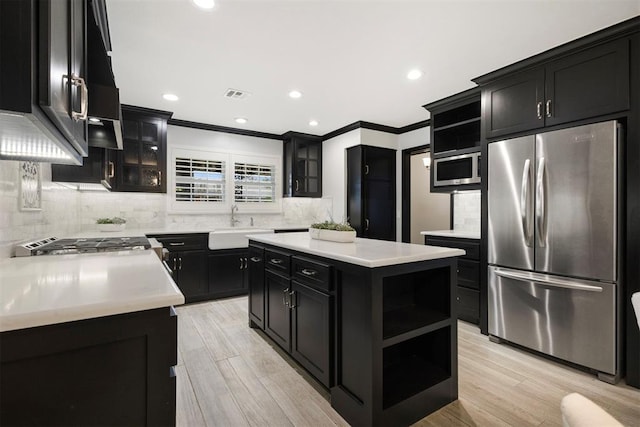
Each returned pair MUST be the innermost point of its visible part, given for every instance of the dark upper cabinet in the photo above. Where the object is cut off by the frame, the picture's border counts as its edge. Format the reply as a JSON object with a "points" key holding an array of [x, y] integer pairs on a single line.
{"points": [[590, 83], [302, 165], [142, 163], [97, 168], [371, 191], [44, 87], [455, 137]]}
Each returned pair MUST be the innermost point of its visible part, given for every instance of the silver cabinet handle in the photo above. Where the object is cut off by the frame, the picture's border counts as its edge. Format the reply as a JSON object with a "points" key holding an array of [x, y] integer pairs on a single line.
{"points": [[84, 98], [548, 108], [366, 169], [539, 110], [112, 170], [292, 299], [241, 264], [547, 280], [308, 272], [524, 202], [180, 264], [541, 220], [255, 259], [175, 260], [159, 177], [366, 226], [285, 293], [276, 261], [246, 263], [297, 185], [176, 243]]}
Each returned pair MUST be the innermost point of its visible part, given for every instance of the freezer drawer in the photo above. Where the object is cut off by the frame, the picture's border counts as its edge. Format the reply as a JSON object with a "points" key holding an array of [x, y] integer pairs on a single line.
{"points": [[574, 320]]}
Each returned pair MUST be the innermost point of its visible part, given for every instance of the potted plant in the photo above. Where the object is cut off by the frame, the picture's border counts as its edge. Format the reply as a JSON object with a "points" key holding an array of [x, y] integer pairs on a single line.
{"points": [[333, 231], [111, 224]]}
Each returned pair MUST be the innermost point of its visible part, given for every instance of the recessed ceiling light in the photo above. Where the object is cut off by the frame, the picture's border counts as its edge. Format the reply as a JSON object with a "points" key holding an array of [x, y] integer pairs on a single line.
{"points": [[94, 119], [241, 120], [204, 4], [414, 74], [313, 123], [295, 94], [170, 97]]}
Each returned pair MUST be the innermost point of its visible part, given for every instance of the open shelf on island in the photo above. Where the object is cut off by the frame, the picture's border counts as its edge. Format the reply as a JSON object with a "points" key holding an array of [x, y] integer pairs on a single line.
{"points": [[415, 365], [415, 300]]}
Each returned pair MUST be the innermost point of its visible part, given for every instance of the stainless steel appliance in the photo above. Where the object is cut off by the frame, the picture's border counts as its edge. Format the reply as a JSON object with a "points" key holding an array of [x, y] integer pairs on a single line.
{"points": [[55, 246], [553, 244], [456, 170]]}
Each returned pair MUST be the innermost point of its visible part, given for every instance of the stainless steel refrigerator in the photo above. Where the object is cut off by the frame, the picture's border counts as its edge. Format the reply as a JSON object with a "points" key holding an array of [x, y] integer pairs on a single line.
{"points": [[553, 244]]}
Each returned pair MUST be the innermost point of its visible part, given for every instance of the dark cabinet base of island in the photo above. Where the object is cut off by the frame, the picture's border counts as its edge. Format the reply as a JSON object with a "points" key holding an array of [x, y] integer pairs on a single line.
{"points": [[389, 332], [114, 370]]}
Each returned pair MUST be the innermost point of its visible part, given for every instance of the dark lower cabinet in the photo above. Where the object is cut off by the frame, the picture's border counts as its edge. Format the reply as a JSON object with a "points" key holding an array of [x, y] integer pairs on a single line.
{"points": [[298, 304], [468, 289], [311, 338], [188, 260], [277, 314], [113, 370], [227, 272], [256, 285]]}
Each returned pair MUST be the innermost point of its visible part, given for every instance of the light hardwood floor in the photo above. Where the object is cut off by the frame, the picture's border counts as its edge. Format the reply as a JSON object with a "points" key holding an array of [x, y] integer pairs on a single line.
{"points": [[230, 375]]}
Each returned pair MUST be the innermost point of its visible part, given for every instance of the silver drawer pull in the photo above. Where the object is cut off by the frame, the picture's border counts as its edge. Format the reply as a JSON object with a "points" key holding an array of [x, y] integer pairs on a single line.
{"points": [[275, 261], [292, 300], [255, 259], [176, 244], [308, 272]]}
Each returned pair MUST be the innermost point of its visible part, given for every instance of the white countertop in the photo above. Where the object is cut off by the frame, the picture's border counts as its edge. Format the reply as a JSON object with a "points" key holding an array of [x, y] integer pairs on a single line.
{"points": [[172, 230], [365, 252], [43, 290], [460, 234]]}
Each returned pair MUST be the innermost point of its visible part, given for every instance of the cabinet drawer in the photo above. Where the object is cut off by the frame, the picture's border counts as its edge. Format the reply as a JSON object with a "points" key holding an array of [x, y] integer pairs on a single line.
{"points": [[471, 247], [183, 242], [468, 305], [469, 274], [277, 261], [311, 273]]}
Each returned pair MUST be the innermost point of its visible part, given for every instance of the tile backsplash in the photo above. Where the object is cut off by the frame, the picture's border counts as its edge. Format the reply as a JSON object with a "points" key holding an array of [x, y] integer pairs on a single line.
{"points": [[66, 212], [466, 211]]}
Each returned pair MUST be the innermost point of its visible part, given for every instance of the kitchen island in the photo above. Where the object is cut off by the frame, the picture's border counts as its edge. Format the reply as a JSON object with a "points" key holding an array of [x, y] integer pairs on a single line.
{"points": [[374, 321], [87, 339]]}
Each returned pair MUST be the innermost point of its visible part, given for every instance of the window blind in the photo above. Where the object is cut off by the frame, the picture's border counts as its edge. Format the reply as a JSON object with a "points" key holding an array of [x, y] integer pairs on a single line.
{"points": [[200, 180], [254, 183]]}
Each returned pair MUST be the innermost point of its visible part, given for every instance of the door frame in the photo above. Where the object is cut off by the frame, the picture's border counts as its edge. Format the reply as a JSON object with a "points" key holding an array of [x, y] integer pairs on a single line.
{"points": [[406, 190]]}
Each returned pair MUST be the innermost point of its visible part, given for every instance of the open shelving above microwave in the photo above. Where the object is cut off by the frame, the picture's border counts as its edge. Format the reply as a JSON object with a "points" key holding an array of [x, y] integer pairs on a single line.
{"points": [[455, 142]]}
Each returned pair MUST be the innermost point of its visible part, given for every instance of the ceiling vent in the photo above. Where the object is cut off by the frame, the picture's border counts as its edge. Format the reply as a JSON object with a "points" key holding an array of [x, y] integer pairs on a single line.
{"points": [[235, 94]]}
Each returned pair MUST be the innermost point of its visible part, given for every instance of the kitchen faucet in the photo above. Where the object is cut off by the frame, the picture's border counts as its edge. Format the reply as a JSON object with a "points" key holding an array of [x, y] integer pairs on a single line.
{"points": [[234, 208]]}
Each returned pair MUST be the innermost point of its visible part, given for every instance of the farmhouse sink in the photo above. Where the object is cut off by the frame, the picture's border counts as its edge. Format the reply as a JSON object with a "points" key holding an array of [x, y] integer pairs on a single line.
{"points": [[231, 238]]}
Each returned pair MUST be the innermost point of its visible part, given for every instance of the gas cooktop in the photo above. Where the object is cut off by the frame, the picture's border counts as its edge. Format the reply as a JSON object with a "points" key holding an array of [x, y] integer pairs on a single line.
{"points": [[55, 246]]}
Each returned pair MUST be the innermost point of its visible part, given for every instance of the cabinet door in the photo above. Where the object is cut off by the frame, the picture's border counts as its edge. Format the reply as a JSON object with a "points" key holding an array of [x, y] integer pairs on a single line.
{"points": [[588, 84], [277, 322], [192, 274], [311, 325], [514, 103], [379, 210], [141, 165], [308, 169], [226, 272], [256, 285], [62, 68]]}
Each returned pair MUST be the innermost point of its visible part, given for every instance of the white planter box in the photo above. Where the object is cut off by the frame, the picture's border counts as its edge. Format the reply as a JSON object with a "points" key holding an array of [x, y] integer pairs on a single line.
{"points": [[333, 235], [111, 227]]}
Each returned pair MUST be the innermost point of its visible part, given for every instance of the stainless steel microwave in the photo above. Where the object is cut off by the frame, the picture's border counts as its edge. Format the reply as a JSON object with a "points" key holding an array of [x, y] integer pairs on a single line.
{"points": [[456, 170]]}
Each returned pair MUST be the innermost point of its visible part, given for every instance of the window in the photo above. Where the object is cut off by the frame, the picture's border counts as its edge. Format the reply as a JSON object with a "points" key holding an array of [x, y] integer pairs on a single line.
{"points": [[254, 183], [210, 182]]}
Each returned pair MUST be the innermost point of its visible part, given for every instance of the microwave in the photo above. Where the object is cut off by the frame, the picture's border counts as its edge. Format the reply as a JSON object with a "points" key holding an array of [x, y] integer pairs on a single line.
{"points": [[456, 170]]}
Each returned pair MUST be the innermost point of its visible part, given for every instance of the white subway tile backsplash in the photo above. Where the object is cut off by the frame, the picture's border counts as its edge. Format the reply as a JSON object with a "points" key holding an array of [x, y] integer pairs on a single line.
{"points": [[467, 211]]}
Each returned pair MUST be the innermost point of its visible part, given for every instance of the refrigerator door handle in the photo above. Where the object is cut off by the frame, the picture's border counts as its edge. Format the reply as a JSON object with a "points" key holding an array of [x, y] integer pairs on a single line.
{"points": [[541, 218], [524, 202], [547, 280]]}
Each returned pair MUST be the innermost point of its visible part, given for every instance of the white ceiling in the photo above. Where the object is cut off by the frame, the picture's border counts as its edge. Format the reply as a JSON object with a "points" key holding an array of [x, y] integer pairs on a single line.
{"points": [[349, 58]]}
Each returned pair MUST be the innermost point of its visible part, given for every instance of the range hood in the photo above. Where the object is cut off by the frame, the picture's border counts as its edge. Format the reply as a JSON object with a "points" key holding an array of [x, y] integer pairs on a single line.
{"points": [[105, 114]]}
